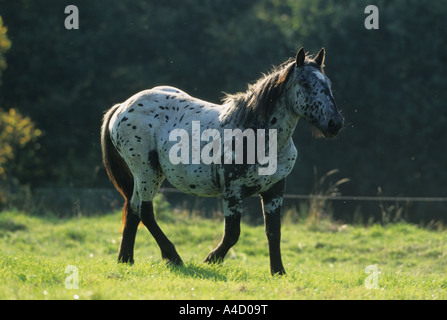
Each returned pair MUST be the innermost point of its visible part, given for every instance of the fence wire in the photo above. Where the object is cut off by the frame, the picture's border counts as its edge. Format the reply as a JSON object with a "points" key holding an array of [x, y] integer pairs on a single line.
{"points": [[87, 201], [345, 198]]}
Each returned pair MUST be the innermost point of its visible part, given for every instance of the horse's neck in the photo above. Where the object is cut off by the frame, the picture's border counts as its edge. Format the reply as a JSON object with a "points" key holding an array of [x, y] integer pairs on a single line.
{"points": [[226, 113], [284, 121]]}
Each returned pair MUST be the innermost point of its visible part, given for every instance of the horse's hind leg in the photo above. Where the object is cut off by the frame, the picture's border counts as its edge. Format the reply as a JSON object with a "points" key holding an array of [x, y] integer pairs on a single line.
{"points": [[167, 248], [231, 233], [130, 226]]}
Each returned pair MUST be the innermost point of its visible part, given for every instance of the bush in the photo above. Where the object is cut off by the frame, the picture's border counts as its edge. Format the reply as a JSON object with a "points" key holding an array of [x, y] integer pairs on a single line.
{"points": [[18, 138]]}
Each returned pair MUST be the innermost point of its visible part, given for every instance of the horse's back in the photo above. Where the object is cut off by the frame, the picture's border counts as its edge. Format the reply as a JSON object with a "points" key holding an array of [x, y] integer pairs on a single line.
{"points": [[169, 90]]}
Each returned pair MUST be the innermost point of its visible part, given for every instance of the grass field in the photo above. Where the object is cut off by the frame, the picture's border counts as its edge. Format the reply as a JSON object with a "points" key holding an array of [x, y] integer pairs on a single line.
{"points": [[321, 262]]}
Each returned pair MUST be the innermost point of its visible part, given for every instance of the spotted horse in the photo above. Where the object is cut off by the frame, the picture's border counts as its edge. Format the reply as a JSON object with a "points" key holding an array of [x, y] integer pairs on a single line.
{"points": [[135, 146]]}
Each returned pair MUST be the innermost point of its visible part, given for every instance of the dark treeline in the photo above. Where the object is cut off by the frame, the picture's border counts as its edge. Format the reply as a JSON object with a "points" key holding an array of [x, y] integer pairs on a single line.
{"points": [[389, 83]]}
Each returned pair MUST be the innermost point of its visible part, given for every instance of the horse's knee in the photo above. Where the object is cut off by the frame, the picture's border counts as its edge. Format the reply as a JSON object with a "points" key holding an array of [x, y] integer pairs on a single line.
{"points": [[232, 237], [273, 235], [232, 230]]}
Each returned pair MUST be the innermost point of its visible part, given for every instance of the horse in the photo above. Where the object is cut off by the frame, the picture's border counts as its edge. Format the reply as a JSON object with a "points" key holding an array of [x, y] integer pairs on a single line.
{"points": [[138, 150]]}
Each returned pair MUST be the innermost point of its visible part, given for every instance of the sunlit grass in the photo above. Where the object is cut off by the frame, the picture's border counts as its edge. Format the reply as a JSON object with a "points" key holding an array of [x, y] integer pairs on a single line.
{"points": [[320, 264]]}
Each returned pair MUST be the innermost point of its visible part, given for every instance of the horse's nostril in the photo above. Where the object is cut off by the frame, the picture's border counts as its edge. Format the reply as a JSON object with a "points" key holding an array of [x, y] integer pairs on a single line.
{"points": [[333, 126]]}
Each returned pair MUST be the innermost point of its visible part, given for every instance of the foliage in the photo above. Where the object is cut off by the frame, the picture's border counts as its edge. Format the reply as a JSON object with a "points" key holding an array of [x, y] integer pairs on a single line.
{"points": [[321, 265], [5, 44], [18, 141], [16, 131], [319, 206]]}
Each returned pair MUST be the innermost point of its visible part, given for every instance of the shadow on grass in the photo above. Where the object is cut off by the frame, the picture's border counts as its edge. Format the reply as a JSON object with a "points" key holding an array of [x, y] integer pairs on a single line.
{"points": [[216, 272]]}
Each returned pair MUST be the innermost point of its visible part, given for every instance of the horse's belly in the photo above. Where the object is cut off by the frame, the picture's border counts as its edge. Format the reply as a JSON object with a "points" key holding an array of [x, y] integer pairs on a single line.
{"points": [[194, 179]]}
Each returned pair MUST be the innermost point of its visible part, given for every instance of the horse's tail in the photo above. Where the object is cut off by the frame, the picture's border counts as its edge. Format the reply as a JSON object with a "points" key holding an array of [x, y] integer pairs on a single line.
{"points": [[116, 167]]}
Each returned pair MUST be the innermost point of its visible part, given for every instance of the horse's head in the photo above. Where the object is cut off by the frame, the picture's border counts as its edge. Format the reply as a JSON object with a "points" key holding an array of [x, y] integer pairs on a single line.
{"points": [[311, 96]]}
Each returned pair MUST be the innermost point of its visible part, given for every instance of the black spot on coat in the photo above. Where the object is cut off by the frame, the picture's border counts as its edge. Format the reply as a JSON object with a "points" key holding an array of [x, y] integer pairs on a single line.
{"points": [[153, 160]]}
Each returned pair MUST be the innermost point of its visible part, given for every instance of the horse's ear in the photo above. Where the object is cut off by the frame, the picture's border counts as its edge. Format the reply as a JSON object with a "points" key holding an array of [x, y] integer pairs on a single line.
{"points": [[300, 56], [319, 59]]}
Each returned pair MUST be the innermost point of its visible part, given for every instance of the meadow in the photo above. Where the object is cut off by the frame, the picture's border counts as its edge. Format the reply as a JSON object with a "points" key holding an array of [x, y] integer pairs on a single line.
{"points": [[323, 261]]}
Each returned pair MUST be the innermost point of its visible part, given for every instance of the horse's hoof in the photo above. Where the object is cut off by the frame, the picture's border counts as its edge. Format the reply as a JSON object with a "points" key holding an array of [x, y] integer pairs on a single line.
{"points": [[213, 258], [174, 260], [175, 263], [126, 260], [280, 272]]}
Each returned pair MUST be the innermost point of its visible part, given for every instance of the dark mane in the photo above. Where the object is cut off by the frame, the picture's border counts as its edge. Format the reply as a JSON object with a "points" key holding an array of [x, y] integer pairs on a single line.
{"points": [[254, 106]]}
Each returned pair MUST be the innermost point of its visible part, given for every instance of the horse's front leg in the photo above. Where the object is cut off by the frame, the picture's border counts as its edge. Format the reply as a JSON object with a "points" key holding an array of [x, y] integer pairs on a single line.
{"points": [[232, 231], [271, 206]]}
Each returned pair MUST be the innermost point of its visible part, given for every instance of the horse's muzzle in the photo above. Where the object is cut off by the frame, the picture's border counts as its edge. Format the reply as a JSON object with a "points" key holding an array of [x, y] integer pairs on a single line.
{"points": [[333, 126]]}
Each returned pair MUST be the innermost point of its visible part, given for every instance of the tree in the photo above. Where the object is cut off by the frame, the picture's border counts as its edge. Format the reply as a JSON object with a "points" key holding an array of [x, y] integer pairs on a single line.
{"points": [[5, 44], [16, 132]]}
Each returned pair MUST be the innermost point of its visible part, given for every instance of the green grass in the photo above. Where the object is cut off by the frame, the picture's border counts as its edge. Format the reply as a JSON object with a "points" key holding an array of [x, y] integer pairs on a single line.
{"points": [[321, 263]]}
